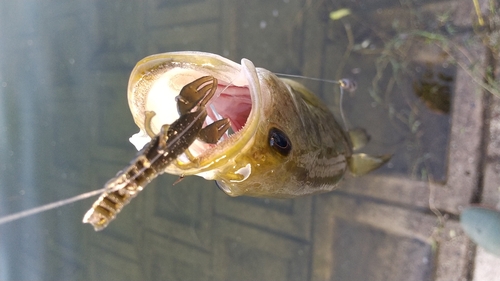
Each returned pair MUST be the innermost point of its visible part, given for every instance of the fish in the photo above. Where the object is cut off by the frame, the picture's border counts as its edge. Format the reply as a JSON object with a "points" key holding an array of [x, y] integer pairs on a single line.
{"points": [[163, 149], [283, 141]]}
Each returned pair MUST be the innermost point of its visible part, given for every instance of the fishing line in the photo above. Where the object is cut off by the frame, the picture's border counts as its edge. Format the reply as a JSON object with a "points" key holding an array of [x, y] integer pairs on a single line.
{"points": [[344, 83], [349, 85], [57, 204], [60, 203], [43, 208], [216, 114], [214, 111], [308, 78], [341, 108]]}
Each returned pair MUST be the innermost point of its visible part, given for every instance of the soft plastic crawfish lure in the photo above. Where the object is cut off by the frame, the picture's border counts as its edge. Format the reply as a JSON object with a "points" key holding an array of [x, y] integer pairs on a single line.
{"points": [[172, 141]]}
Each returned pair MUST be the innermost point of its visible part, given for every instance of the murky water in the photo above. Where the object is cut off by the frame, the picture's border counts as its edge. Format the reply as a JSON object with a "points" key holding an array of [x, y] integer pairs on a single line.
{"points": [[65, 124]]}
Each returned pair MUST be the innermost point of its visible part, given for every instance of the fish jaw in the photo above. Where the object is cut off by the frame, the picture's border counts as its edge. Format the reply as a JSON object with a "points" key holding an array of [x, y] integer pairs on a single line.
{"points": [[157, 80]]}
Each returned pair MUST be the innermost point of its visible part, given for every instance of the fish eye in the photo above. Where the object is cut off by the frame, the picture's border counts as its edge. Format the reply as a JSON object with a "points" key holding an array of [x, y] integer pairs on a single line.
{"points": [[279, 141]]}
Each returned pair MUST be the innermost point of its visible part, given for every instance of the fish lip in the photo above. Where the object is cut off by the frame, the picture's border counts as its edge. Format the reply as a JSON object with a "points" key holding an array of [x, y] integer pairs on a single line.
{"points": [[244, 74]]}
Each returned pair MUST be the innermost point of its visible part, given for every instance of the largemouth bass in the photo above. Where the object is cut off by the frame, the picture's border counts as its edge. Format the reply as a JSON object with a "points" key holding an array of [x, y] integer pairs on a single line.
{"points": [[284, 141]]}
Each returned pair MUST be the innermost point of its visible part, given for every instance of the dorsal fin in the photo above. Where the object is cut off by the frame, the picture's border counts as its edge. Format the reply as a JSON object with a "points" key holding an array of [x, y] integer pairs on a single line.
{"points": [[359, 138]]}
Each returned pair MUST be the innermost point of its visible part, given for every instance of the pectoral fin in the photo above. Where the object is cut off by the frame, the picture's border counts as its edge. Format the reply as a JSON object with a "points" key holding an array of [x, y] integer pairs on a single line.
{"points": [[359, 138], [360, 163]]}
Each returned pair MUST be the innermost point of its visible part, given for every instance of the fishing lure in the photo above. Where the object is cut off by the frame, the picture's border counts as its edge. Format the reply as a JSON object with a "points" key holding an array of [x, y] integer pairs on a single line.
{"points": [[163, 150]]}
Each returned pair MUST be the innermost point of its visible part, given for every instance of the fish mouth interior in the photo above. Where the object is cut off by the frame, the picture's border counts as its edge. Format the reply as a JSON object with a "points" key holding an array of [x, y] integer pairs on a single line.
{"points": [[229, 101], [232, 102], [233, 99]]}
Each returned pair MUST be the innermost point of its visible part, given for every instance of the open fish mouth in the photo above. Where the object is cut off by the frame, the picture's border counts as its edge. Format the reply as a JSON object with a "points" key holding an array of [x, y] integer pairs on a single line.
{"points": [[232, 102], [157, 80]]}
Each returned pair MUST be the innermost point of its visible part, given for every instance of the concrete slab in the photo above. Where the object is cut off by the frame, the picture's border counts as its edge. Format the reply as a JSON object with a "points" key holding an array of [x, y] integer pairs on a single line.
{"points": [[464, 151], [491, 185], [356, 237], [486, 266]]}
